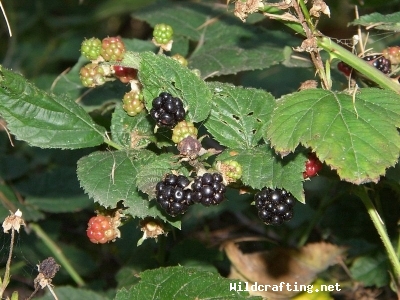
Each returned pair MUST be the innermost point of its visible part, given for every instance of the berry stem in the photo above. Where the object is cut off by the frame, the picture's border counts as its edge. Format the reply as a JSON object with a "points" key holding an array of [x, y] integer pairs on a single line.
{"points": [[336, 51], [361, 192], [112, 144], [57, 252]]}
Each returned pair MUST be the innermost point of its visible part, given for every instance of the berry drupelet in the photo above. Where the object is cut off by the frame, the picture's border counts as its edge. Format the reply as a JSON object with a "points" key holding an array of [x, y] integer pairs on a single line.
{"points": [[274, 206], [167, 110]]}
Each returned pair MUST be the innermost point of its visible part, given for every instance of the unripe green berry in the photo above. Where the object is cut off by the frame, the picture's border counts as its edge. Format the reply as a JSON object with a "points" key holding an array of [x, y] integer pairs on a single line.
{"points": [[162, 34], [112, 49], [231, 170], [133, 103], [183, 61], [182, 130], [91, 48], [92, 75]]}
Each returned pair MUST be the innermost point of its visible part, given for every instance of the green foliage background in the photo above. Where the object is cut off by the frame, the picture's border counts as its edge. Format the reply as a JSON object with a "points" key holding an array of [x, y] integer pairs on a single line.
{"points": [[256, 55]]}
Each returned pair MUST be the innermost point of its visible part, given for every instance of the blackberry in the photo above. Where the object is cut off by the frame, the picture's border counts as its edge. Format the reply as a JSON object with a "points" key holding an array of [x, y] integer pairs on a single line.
{"points": [[92, 75], [208, 189], [162, 34], [392, 54], [379, 62], [133, 103], [91, 48], [182, 60], [172, 196], [112, 49], [182, 130], [167, 110], [125, 74], [274, 206]]}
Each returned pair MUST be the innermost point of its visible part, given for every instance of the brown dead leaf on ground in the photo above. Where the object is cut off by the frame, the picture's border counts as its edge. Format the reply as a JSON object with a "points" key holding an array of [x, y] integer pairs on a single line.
{"points": [[293, 266]]}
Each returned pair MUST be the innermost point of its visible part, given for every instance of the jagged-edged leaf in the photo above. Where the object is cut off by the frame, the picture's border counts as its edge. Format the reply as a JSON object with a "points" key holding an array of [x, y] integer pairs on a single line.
{"points": [[263, 168], [131, 132], [226, 46], [182, 283], [109, 177], [359, 140], [42, 119], [376, 20], [159, 73], [239, 116]]}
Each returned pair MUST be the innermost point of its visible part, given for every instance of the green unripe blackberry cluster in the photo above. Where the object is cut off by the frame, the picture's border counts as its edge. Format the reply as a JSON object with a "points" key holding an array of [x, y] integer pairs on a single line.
{"points": [[182, 130], [91, 48], [133, 103], [233, 170], [92, 75], [183, 61], [162, 34]]}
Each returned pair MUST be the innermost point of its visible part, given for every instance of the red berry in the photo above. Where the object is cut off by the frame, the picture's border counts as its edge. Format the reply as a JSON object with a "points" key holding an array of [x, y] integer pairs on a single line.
{"points": [[344, 68], [392, 54], [125, 74], [313, 166], [101, 229]]}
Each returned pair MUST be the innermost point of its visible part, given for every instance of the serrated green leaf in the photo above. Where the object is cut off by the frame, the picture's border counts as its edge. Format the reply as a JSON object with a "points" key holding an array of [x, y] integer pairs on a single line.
{"points": [[359, 141], [42, 119], [376, 20], [182, 283], [263, 168], [109, 177], [159, 73], [131, 132], [239, 116], [371, 270]]}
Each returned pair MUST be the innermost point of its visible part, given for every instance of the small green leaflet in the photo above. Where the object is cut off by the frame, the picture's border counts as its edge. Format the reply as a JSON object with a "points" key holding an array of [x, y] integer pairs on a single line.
{"points": [[45, 120], [390, 22], [359, 141]]}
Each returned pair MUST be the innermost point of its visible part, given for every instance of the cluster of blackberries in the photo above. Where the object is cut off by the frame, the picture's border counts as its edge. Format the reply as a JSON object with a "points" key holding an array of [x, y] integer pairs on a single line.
{"points": [[175, 198], [274, 206], [167, 110], [171, 194], [208, 189]]}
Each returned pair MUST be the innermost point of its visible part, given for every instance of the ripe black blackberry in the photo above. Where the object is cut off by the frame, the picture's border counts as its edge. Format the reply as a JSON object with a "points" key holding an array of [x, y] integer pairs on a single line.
{"points": [[208, 189], [167, 110], [172, 196], [379, 62], [274, 206]]}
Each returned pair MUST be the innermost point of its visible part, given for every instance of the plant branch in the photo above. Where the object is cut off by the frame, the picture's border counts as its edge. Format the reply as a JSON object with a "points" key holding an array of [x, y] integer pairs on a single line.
{"points": [[58, 254], [6, 278], [380, 227], [310, 44]]}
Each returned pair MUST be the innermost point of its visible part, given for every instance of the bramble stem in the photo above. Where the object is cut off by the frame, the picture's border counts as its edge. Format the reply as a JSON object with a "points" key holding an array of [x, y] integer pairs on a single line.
{"points": [[357, 63], [57, 253], [6, 278], [380, 227], [112, 144]]}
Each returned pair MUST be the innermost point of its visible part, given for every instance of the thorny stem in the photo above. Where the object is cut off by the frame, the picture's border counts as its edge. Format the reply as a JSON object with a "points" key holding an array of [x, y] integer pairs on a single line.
{"points": [[301, 10], [58, 254], [380, 227], [6, 278]]}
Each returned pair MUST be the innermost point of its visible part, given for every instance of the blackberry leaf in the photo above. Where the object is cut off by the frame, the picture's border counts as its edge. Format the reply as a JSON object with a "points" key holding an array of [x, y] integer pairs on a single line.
{"points": [[239, 116], [261, 167], [182, 283], [109, 177], [45, 120], [360, 144]]}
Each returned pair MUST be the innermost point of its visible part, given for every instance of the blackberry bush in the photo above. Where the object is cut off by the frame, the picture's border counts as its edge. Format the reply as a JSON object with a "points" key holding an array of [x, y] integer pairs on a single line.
{"points": [[167, 110], [274, 206]]}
